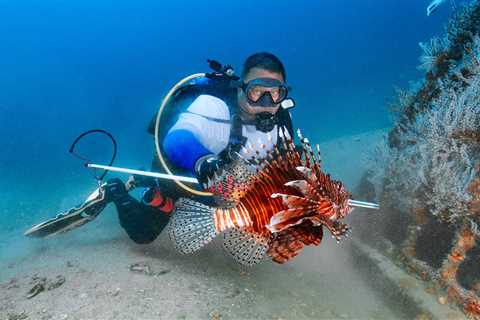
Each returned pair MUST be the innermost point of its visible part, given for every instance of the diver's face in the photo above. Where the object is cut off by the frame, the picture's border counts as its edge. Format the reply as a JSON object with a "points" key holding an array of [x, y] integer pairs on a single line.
{"points": [[256, 73]]}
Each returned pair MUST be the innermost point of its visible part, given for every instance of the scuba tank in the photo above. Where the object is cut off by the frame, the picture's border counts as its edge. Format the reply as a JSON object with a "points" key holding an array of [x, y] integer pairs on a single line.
{"points": [[221, 83]]}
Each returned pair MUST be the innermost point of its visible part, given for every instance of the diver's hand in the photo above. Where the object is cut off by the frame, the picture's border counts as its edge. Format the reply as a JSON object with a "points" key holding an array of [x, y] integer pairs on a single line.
{"points": [[206, 166]]}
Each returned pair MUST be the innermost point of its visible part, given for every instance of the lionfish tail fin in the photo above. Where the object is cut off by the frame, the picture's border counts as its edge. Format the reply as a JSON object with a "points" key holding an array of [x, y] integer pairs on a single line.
{"points": [[191, 226], [245, 247]]}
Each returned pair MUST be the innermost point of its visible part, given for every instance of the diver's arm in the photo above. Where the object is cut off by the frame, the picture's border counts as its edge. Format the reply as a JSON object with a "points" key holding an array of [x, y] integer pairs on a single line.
{"points": [[195, 134], [198, 119], [183, 149]]}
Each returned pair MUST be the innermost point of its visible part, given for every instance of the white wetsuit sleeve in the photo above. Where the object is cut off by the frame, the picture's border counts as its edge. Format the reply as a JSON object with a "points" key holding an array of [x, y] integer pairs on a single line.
{"points": [[200, 121]]}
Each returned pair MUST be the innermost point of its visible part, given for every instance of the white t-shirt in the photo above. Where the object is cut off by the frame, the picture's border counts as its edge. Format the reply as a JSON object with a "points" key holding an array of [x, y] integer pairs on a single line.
{"points": [[208, 119]]}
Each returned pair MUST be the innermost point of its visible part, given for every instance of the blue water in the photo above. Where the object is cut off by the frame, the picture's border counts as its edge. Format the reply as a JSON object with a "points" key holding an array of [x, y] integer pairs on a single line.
{"points": [[66, 67], [70, 66]]}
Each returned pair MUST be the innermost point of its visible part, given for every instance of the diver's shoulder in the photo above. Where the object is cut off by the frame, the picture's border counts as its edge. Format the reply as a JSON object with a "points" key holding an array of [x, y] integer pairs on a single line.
{"points": [[210, 106]]}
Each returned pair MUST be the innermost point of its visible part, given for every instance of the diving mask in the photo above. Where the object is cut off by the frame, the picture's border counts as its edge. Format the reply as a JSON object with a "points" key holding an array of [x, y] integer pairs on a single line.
{"points": [[265, 92]]}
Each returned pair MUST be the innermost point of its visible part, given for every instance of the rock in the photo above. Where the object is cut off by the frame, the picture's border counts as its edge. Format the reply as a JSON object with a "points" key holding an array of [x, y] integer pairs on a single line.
{"points": [[17, 316], [13, 283], [144, 267], [115, 292], [162, 272], [424, 316], [141, 267], [442, 300], [235, 292], [57, 282], [39, 286], [215, 315], [431, 290]]}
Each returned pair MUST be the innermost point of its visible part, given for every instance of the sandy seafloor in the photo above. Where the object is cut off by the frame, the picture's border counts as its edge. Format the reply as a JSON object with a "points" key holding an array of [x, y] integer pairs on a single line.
{"points": [[95, 261]]}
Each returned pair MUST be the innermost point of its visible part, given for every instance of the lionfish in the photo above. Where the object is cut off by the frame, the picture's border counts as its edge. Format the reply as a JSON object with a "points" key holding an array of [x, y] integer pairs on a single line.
{"points": [[275, 205]]}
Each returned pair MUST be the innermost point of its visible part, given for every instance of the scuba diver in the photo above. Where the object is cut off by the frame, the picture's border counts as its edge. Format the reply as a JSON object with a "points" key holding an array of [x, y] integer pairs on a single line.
{"points": [[220, 118]]}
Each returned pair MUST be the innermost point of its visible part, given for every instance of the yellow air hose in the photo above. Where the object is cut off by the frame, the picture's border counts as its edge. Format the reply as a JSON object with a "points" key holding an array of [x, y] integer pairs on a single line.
{"points": [[157, 127]]}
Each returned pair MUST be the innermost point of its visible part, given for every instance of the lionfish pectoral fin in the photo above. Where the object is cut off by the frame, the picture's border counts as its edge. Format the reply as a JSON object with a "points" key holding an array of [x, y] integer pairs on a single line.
{"points": [[336, 228], [300, 185], [285, 219], [245, 247], [293, 202], [229, 183], [191, 226], [308, 173], [341, 229]]}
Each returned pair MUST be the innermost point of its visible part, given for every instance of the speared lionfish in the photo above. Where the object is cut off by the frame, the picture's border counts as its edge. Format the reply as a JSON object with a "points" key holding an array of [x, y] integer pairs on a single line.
{"points": [[272, 206]]}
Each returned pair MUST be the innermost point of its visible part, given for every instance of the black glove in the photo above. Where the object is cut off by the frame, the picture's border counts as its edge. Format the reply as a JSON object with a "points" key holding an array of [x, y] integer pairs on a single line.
{"points": [[206, 166]]}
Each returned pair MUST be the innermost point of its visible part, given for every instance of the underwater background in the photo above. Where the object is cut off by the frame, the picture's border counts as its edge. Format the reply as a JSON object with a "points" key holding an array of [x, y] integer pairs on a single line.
{"points": [[67, 67]]}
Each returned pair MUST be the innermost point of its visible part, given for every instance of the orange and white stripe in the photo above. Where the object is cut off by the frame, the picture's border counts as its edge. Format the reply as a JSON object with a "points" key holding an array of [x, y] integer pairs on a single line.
{"points": [[237, 217]]}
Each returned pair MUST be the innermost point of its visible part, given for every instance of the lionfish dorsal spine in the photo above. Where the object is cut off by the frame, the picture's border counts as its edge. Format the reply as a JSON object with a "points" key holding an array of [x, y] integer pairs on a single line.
{"points": [[300, 185], [304, 170], [304, 148], [310, 150], [318, 154], [309, 173], [282, 134], [299, 134], [294, 202], [315, 157]]}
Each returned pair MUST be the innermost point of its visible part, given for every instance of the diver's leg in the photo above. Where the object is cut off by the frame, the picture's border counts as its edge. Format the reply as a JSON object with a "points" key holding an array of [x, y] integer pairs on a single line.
{"points": [[155, 198], [142, 223]]}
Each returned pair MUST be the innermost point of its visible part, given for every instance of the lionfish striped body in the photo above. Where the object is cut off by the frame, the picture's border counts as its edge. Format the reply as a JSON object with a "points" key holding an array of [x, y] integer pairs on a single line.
{"points": [[274, 206]]}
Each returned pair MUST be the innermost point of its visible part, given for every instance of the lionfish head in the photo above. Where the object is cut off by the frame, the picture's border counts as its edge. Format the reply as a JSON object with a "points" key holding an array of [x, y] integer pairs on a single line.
{"points": [[318, 199], [322, 201]]}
